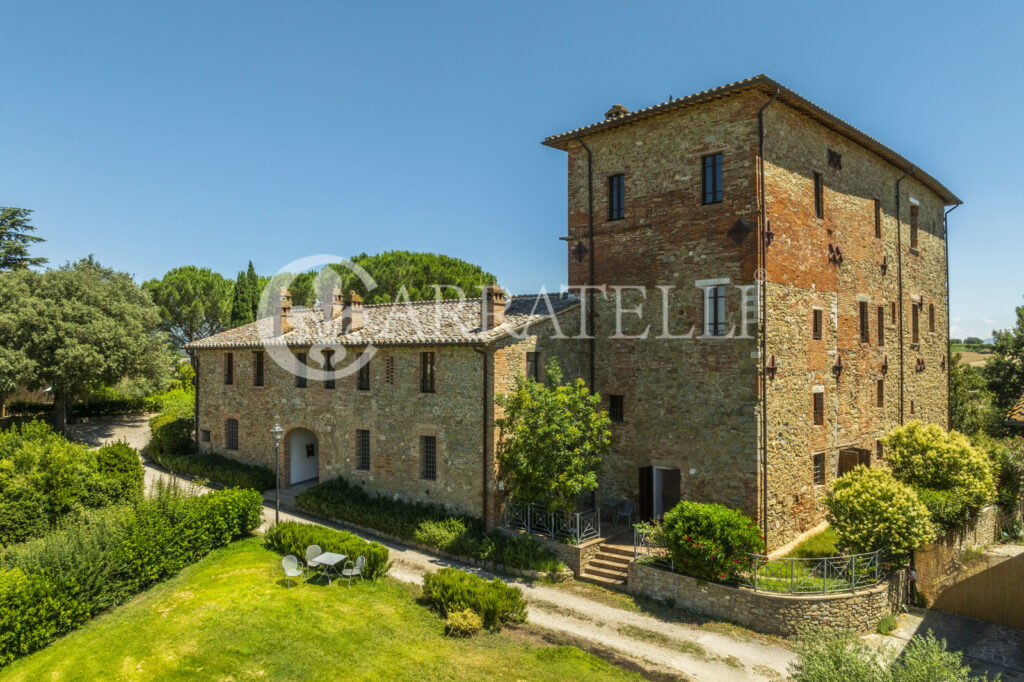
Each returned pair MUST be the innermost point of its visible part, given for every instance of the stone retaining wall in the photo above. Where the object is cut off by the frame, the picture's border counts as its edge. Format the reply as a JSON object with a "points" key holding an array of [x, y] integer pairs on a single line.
{"points": [[941, 564], [769, 612], [575, 557]]}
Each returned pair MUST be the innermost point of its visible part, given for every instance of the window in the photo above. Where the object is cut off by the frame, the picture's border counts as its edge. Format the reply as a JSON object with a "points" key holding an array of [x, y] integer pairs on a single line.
{"points": [[894, 312], [714, 311], [819, 468], [427, 372], [363, 377], [819, 196], [816, 325], [329, 367], [428, 458], [231, 434], [300, 378], [616, 197], [915, 325], [711, 182], [881, 325], [911, 407], [931, 317], [257, 368], [879, 450], [362, 449], [616, 411], [880, 393], [914, 210], [819, 408], [229, 368], [389, 371], [865, 327], [205, 435], [533, 366], [878, 219]]}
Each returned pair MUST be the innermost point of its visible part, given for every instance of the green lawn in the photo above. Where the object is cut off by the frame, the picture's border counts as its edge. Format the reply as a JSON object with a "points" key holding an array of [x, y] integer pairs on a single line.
{"points": [[229, 617]]}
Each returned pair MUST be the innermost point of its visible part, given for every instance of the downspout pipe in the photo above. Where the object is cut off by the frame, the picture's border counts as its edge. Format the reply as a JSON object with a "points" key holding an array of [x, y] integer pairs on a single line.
{"points": [[764, 318], [899, 279], [486, 479], [590, 254], [949, 356]]}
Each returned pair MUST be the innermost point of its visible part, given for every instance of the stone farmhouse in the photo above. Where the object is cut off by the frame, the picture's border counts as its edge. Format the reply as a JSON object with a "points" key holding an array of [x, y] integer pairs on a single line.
{"points": [[758, 292]]}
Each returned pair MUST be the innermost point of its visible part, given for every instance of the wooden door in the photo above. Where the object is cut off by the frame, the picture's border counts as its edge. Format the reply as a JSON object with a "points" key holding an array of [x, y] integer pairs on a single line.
{"points": [[671, 489], [645, 504]]}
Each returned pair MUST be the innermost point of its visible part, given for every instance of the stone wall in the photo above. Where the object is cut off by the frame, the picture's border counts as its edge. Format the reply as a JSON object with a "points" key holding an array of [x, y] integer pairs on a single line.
{"points": [[942, 563], [769, 612]]}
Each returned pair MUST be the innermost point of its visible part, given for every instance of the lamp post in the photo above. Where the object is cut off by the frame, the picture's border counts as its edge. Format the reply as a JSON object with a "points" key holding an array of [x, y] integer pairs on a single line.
{"points": [[277, 432]]}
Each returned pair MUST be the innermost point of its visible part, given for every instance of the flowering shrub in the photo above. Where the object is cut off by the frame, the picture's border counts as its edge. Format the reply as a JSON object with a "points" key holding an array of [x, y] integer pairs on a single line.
{"points": [[929, 457], [1007, 455], [711, 541], [869, 509]]}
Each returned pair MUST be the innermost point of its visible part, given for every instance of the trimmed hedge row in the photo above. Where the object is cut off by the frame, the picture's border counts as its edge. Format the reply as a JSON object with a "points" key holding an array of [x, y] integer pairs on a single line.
{"points": [[216, 468], [292, 537], [52, 585], [452, 591], [428, 524], [101, 403]]}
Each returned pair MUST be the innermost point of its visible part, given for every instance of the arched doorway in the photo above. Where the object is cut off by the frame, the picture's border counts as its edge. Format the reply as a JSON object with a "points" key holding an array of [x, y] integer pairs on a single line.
{"points": [[304, 456]]}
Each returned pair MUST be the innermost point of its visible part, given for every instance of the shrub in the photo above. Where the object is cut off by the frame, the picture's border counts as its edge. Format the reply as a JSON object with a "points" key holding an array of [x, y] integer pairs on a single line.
{"points": [[52, 585], [171, 434], [451, 590], [217, 468], [947, 507], [929, 457], [291, 537], [869, 509], [429, 524], [711, 541], [1007, 456], [464, 623], [118, 463], [887, 624], [824, 655]]}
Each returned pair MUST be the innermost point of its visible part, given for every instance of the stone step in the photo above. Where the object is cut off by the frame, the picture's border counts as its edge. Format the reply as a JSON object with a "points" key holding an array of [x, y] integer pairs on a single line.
{"points": [[616, 559], [602, 580], [611, 574], [597, 562]]}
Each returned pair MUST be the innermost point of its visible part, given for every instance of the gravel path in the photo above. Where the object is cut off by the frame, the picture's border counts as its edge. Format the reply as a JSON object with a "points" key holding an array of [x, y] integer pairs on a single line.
{"points": [[658, 646]]}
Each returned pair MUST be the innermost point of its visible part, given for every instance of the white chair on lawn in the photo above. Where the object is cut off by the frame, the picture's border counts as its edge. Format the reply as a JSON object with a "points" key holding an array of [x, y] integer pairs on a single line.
{"points": [[312, 552], [355, 570], [627, 510], [292, 569]]}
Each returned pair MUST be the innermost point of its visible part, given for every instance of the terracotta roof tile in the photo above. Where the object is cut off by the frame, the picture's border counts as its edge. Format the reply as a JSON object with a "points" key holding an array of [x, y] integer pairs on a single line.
{"points": [[421, 323], [1016, 414]]}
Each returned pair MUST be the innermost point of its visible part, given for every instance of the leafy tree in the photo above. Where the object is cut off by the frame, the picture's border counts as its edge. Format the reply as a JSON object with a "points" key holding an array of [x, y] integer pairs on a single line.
{"points": [[78, 326], [301, 289], [869, 509], [246, 298], [193, 303], [15, 226], [552, 440], [973, 341], [969, 396], [1005, 369], [417, 272], [956, 342]]}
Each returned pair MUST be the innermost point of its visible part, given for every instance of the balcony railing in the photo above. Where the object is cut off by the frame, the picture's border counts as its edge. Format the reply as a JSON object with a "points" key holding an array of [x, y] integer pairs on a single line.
{"points": [[576, 527]]}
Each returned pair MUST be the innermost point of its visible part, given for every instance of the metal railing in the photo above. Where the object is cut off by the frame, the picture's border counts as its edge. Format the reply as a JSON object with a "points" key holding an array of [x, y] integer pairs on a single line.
{"points": [[534, 518], [787, 575]]}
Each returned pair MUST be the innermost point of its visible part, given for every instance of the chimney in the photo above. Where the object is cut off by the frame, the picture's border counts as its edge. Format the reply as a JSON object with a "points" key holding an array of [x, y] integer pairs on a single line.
{"points": [[616, 111], [333, 309], [492, 307], [283, 313], [351, 313]]}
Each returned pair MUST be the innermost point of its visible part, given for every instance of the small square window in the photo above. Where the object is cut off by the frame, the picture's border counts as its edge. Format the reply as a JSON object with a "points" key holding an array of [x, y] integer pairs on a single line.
{"points": [[229, 368], [819, 196], [878, 219], [204, 435], [819, 468], [915, 312], [914, 213], [427, 368], [363, 377], [363, 449], [865, 327], [880, 393], [819, 408], [911, 407], [879, 450], [816, 324], [711, 179], [616, 197], [881, 325], [329, 367], [300, 377], [931, 317], [616, 410], [257, 368], [389, 371], [231, 434], [714, 311], [893, 316], [533, 366], [428, 458]]}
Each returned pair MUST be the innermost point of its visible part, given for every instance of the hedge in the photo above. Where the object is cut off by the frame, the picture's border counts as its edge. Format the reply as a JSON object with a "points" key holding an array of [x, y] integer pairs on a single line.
{"points": [[102, 403], [497, 603], [431, 525], [216, 468], [46, 479], [52, 585], [292, 537], [711, 541]]}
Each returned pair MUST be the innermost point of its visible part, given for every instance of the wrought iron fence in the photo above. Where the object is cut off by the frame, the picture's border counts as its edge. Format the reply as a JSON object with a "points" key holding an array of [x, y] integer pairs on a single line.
{"points": [[787, 575], [533, 518]]}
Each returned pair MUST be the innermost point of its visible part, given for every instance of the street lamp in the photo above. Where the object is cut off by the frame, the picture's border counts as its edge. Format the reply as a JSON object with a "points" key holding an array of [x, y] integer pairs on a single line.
{"points": [[277, 432]]}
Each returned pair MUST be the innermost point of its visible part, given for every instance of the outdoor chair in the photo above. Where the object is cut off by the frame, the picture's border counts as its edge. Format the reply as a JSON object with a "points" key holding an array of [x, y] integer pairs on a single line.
{"points": [[292, 569], [355, 570], [627, 510], [312, 552]]}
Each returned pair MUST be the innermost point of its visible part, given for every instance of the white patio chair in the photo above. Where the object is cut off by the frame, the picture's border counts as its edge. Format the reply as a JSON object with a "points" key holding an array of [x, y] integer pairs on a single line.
{"points": [[356, 570], [292, 569], [312, 552], [627, 510]]}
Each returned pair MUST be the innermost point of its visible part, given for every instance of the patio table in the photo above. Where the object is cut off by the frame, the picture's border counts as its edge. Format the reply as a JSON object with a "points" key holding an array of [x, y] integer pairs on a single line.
{"points": [[328, 562], [612, 502]]}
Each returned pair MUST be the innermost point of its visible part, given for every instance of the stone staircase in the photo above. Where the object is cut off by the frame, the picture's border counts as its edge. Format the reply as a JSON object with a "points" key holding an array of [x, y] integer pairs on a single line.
{"points": [[608, 566]]}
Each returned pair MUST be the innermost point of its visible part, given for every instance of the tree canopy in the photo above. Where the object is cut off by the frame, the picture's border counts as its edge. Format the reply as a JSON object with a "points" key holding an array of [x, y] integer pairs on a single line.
{"points": [[193, 303], [1005, 369], [246, 297], [552, 440], [417, 272], [74, 327], [15, 238]]}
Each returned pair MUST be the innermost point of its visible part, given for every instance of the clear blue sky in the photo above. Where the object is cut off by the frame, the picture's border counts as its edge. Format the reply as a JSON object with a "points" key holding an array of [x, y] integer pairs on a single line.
{"points": [[160, 134]]}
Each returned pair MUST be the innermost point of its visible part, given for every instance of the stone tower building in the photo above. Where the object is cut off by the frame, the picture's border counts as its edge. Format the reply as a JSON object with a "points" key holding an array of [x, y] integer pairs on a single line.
{"points": [[810, 263]]}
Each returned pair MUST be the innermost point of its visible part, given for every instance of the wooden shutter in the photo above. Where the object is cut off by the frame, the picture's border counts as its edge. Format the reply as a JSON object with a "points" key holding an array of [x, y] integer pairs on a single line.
{"points": [[671, 489], [646, 501]]}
